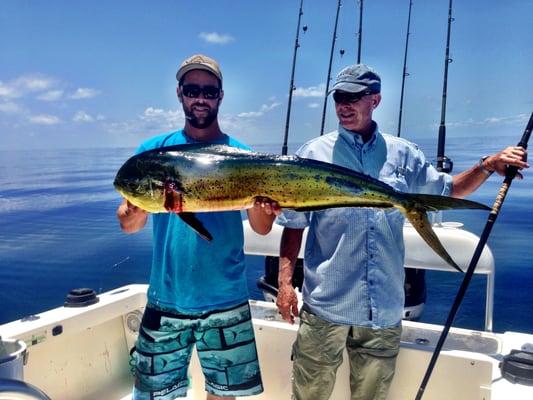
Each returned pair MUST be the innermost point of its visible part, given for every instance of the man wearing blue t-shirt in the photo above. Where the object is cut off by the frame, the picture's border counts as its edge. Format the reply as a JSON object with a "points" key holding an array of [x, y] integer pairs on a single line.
{"points": [[198, 293], [353, 289]]}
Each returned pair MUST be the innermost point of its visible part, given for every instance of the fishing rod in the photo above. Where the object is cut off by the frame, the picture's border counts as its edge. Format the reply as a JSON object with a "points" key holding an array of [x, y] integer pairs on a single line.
{"points": [[509, 176], [360, 33], [291, 87], [444, 164], [329, 68], [405, 74]]}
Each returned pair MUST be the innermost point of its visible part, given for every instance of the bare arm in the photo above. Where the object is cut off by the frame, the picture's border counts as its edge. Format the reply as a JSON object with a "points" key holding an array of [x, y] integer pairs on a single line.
{"points": [[131, 218], [287, 301], [468, 181], [262, 215]]}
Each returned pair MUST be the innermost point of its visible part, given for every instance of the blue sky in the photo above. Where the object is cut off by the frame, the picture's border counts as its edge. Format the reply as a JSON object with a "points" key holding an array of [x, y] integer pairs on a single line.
{"points": [[102, 73]]}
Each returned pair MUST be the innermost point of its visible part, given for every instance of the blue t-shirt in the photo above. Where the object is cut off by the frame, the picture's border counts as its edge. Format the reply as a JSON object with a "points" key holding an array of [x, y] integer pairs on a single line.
{"points": [[354, 257], [190, 274]]}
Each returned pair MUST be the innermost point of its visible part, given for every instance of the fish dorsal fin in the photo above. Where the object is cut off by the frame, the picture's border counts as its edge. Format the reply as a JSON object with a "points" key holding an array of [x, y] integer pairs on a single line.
{"points": [[212, 148], [208, 149], [190, 219]]}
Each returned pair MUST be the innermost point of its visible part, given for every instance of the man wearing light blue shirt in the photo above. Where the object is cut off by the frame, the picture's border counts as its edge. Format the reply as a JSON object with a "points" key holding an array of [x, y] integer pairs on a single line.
{"points": [[353, 264]]}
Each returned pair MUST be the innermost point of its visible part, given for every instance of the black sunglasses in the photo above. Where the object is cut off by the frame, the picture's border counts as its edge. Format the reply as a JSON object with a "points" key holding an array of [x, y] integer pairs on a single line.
{"points": [[193, 91], [347, 97]]}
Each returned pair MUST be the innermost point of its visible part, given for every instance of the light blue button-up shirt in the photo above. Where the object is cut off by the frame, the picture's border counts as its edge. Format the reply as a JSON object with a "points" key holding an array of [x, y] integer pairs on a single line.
{"points": [[354, 257]]}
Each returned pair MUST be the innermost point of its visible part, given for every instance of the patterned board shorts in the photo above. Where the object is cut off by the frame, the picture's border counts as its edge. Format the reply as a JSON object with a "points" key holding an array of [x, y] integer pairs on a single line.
{"points": [[225, 345]]}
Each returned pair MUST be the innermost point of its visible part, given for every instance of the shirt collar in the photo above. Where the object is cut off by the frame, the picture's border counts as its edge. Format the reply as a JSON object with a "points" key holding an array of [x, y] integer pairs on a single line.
{"points": [[355, 139], [222, 139]]}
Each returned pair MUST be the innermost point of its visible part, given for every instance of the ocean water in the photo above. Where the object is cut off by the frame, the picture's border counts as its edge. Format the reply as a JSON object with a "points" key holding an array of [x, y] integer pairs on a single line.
{"points": [[58, 231]]}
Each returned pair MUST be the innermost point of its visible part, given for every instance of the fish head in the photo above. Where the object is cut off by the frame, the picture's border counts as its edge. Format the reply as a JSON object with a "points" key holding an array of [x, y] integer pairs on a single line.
{"points": [[142, 180]]}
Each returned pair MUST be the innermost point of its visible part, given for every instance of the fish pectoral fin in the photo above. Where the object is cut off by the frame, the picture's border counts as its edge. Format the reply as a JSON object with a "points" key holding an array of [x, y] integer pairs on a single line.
{"points": [[191, 220], [173, 196], [419, 219]]}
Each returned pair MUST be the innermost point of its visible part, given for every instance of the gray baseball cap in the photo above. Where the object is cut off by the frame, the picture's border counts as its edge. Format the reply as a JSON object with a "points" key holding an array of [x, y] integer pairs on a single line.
{"points": [[357, 78]]}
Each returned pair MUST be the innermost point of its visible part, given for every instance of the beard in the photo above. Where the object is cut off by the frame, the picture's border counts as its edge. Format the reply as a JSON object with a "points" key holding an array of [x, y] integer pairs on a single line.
{"points": [[200, 122]]}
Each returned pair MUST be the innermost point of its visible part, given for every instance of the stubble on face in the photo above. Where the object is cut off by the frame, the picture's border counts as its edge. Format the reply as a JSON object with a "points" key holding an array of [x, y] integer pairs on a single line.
{"points": [[200, 114]]}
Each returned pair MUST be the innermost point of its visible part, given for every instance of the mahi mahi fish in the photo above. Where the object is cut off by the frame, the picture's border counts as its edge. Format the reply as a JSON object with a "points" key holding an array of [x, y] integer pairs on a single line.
{"points": [[185, 179]]}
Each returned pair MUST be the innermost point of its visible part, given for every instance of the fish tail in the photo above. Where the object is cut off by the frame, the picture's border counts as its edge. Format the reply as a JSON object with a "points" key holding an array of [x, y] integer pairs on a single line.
{"points": [[416, 213], [419, 219], [417, 210]]}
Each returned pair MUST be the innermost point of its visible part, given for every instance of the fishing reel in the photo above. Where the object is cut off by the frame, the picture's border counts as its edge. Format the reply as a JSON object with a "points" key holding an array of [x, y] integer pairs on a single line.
{"points": [[444, 164]]}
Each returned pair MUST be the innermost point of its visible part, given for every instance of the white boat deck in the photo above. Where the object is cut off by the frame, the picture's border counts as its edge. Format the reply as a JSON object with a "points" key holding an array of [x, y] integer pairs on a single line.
{"points": [[83, 353]]}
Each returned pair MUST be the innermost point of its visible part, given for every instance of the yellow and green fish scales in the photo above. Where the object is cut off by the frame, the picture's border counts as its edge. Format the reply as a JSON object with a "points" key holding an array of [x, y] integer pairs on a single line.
{"points": [[205, 178]]}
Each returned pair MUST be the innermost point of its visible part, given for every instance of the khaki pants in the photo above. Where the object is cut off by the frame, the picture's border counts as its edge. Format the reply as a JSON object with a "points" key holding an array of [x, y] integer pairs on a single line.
{"points": [[317, 355]]}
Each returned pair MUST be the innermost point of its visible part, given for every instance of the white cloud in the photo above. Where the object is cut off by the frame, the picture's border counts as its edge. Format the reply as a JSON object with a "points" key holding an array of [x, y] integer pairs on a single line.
{"points": [[509, 120], [268, 107], [122, 127], [311, 91], [151, 121], [6, 90], [216, 38], [263, 109], [250, 114], [10, 108], [313, 105], [44, 119], [151, 112], [82, 116], [167, 118], [22, 85], [35, 83], [51, 95], [85, 93], [487, 122], [232, 123]]}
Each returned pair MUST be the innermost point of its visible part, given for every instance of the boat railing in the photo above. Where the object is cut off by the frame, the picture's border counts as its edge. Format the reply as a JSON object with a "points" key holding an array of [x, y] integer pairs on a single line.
{"points": [[459, 243]]}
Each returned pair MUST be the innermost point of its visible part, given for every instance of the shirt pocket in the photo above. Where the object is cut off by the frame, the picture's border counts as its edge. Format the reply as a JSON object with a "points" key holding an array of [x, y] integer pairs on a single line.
{"points": [[395, 176]]}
